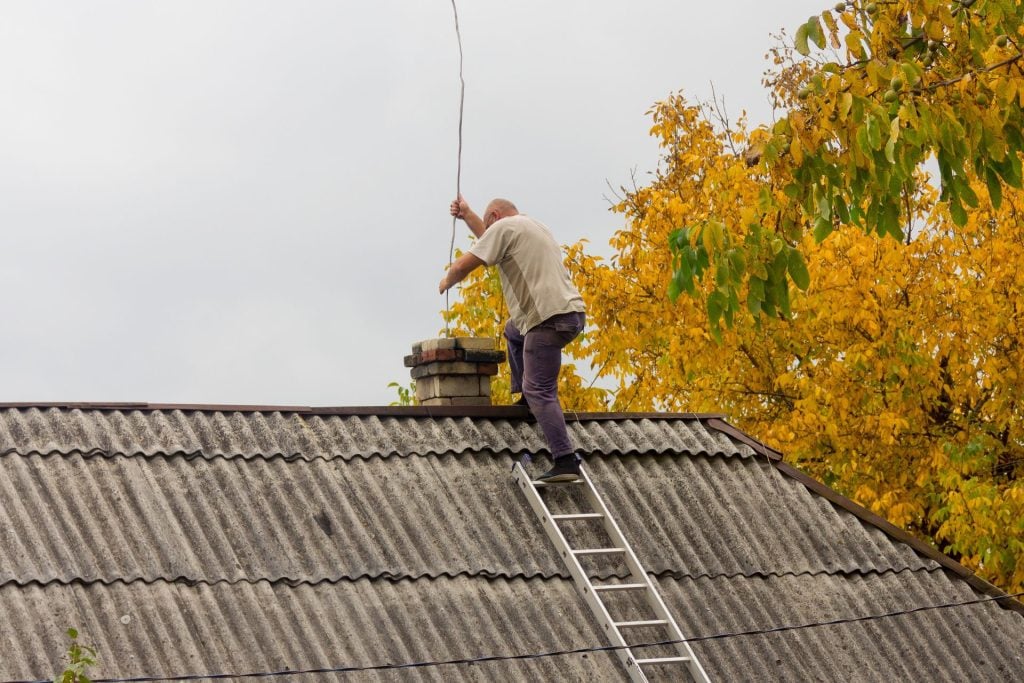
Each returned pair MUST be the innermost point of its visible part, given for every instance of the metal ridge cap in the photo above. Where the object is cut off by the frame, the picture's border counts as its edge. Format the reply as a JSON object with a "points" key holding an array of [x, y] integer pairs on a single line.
{"points": [[499, 411]]}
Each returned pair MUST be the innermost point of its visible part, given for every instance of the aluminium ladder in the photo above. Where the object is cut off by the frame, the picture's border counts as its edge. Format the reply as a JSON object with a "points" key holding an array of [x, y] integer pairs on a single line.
{"points": [[638, 579]]}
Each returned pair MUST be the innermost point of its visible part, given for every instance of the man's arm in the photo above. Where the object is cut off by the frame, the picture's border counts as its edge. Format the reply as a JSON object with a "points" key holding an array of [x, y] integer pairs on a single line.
{"points": [[463, 266], [460, 209]]}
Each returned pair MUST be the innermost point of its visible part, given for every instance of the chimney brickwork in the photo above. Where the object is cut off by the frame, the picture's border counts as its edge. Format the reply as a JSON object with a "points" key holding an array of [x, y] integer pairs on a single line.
{"points": [[454, 371]]}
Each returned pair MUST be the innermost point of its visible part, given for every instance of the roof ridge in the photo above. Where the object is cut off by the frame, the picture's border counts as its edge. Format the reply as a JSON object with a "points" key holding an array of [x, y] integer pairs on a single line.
{"points": [[497, 411]]}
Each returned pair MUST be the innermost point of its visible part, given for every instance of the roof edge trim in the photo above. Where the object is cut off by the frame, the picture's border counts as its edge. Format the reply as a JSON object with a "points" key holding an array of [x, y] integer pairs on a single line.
{"points": [[719, 424]]}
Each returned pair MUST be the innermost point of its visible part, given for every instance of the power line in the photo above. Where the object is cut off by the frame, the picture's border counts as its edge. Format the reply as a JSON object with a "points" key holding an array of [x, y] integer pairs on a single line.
{"points": [[458, 172], [540, 655]]}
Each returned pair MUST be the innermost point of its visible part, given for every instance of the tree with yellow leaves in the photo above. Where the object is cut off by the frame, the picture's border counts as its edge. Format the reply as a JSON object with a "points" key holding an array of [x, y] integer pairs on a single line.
{"points": [[895, 376], [892, 371], [891, 85]]}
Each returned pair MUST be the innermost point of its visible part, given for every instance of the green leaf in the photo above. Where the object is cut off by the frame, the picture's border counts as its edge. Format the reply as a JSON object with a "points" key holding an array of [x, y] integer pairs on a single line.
{"points": [[801, 40], [824, 207], [674, 288], [874, 133], [753, 304], [716, 332], [732, 305], [970, 198], [701, 261], [684, 274], [956, 210], [784, 300], [840, 209], [756, 289], [716, 304], [875, 217], [815, 33], [798, 270], [768, 303], [911, 72], [673, 239], [778, 267], [995, 188], [1013, 178], [890, 220], [822, 228], [862, 140], [737, 262], [722, 272], [946, 174]]}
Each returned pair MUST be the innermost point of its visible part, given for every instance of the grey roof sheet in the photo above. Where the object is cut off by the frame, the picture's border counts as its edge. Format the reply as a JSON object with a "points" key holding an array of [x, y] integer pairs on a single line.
{"points": [[174, 629], [211, 434], [980, 642], [236, 520]]}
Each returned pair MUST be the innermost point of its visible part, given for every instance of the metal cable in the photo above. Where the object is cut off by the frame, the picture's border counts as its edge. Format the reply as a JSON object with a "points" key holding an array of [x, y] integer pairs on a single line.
{"points": [[541, 655], [458, 172]]}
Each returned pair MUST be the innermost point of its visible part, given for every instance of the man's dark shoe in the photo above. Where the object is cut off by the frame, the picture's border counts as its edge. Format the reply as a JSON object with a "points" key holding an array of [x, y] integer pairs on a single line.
{"points": [[566, 468]]}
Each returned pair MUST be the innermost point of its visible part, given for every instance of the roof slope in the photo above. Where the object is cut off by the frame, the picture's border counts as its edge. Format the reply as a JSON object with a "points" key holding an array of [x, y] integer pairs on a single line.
{"points": [[186, 541]]}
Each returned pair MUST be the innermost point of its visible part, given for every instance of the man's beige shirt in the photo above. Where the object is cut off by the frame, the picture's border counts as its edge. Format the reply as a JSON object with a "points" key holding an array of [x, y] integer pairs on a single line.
{"points": [[533, 276]]}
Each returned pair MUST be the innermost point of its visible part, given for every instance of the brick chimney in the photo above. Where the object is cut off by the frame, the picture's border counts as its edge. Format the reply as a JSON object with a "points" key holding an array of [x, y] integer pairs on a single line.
{"points": [[454, 371]]}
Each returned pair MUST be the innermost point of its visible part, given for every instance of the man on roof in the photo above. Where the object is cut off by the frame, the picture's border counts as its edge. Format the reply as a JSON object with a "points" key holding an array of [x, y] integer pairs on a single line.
{"points": [[546, 313]]}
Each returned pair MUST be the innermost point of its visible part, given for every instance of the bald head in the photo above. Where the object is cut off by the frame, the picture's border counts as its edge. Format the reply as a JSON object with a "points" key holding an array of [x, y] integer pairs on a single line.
{"points": [[498, 209]]}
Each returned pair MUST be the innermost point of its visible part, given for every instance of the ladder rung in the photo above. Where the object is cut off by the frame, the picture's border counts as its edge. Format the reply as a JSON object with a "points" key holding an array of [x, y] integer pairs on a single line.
{"points": [[635, 624], [541, 484], [622, 587], [581, 515], [598, 551], [661, 660]]}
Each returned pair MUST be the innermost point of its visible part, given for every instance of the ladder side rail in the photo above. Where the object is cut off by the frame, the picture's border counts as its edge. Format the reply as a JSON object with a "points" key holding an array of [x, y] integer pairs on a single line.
{"points": [[652, 594], [583, 582]]}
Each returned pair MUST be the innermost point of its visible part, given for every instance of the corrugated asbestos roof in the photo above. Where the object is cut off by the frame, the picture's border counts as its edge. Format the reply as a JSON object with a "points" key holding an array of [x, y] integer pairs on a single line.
{"points": [[249, 435], [233, 520], [174, 628], [186, 540]]}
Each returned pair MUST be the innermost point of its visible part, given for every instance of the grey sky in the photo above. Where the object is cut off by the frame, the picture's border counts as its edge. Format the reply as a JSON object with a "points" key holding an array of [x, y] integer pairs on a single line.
{"points": [[245, 201]]}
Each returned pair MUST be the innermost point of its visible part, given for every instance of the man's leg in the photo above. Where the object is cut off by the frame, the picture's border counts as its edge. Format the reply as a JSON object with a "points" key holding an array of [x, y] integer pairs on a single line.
{"points": [[542, 360], [515, 356]]}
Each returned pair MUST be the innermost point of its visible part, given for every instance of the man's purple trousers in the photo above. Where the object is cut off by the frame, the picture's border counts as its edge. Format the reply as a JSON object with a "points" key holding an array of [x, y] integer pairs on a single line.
{"points": [[535, 359]]}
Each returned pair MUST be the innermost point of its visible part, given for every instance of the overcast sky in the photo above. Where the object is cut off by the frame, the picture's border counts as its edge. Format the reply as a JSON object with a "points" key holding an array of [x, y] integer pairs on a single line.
{"points": [[245, 201]]}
